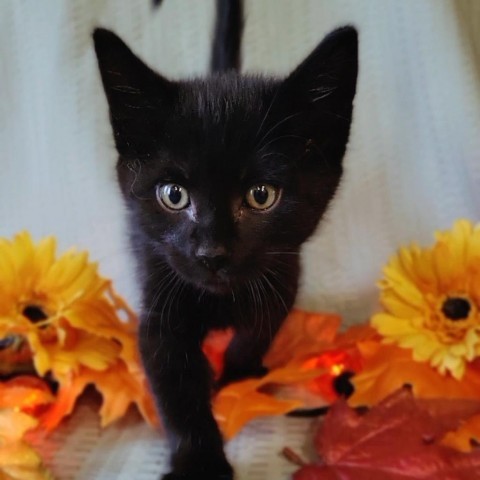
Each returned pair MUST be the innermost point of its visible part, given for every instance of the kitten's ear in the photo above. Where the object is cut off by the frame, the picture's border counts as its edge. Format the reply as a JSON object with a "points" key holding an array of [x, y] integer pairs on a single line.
{"points": [[139, 98], [319, 94]]}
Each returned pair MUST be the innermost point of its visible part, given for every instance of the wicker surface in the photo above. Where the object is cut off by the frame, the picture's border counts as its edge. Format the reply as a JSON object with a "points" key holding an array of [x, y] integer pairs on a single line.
{"points": [[81, 450]]}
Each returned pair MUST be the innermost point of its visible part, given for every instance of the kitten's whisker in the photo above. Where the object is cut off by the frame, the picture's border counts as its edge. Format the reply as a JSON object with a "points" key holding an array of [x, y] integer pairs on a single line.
{"points": [[276, 154], [280, 138], [254, 300], [174, 295], [132, 166], [171, 288], [168, 302], [267, 310], [282, 253], [286, 262], [261, 311], [161, 288], [267, 112], [276, 126], [156, 298], [275, 291], [201, 294]]}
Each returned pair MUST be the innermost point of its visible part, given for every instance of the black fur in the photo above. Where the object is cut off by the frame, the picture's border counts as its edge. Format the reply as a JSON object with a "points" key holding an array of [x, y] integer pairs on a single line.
{"points": [[219, 262]]}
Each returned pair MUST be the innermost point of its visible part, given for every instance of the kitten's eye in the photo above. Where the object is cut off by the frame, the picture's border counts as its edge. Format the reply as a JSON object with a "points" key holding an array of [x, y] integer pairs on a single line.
{"points": [[173, 196], [261, 197]]}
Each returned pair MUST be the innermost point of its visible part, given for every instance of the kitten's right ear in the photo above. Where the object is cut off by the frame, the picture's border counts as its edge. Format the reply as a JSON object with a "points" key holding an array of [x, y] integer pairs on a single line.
{"points": [[138, 97]]}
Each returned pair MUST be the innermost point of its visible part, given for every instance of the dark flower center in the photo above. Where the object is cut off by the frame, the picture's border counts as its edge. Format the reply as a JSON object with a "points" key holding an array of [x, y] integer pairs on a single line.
{"points": [[34, 314], [455, 308]]}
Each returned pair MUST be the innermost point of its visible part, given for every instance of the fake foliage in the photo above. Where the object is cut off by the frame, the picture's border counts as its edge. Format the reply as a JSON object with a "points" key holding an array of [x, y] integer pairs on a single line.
{"points": [[63, 322], [400, 438]]}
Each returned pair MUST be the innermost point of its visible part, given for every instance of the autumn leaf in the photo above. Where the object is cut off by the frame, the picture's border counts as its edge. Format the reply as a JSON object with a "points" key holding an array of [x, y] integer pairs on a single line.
{"points": [[388, 367], [18, 460], [355, 335], [302, 335], [214, 347], [119, 388], [240, 402], [465, 436], [29, 394], [313, 341], [395, 440]]}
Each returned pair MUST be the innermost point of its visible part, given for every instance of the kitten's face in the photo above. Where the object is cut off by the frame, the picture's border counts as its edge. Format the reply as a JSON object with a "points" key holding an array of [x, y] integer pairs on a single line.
{"points": [[227, 176]]}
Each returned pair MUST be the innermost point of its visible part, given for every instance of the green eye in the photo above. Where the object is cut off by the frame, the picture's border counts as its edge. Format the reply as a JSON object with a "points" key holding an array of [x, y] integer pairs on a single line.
{"points": [[173, 196], [262, 196]]}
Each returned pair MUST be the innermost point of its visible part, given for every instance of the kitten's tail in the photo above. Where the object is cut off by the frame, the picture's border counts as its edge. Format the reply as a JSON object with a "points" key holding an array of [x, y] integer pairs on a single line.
{"points": [[227, 36]]}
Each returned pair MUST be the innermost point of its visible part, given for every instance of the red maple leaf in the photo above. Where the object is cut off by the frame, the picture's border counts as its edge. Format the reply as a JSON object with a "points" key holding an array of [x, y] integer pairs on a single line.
{"points": [[399, 439]]}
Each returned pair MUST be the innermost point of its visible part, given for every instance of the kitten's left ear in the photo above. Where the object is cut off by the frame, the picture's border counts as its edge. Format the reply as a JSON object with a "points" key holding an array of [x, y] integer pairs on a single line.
{"points": [[319, 94], [138, 97]]}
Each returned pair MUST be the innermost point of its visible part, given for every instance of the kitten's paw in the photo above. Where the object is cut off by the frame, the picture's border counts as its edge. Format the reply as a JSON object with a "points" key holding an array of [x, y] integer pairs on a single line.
{"points": [[201, 469]]}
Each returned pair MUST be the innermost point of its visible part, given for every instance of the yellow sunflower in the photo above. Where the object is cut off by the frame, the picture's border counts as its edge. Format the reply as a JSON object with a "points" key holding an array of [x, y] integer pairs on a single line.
{"points": [[61, 307], [64, 318], [431, 298]]}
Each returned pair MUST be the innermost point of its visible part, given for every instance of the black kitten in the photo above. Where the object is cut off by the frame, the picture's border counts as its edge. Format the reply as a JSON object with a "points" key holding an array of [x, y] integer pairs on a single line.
{"points": [[224, 179]]}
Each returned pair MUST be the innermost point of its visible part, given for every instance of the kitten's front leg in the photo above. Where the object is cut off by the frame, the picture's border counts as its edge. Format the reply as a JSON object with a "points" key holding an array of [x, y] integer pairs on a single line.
{"points": [[245, 353], [180, 378], [256, 327]]}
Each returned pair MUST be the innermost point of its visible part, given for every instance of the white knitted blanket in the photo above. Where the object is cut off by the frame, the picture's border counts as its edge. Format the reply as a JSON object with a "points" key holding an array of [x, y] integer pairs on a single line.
{"points": [[413, 163]]}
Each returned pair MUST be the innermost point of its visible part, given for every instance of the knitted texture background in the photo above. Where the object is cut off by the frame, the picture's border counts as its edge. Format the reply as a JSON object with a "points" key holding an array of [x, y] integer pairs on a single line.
{"points": [[413, 163]]}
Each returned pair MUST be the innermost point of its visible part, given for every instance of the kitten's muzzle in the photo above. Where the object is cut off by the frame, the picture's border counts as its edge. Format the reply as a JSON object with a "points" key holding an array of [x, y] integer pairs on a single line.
{"points": [[214, 260], [218, 279]]}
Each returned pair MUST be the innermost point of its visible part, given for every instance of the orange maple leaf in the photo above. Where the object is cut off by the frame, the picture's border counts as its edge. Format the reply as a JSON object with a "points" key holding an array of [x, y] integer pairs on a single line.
{"points": [[18, 460], [25, 393], [214, 346], [119, 388], [306, 351], [466, 436], [302, 335], [240, 402], [388, 367], [338, 357]]}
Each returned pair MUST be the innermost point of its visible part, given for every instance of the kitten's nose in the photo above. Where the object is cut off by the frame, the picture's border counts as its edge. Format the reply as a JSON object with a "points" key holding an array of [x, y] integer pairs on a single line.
{"points": [[214, 258]]}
